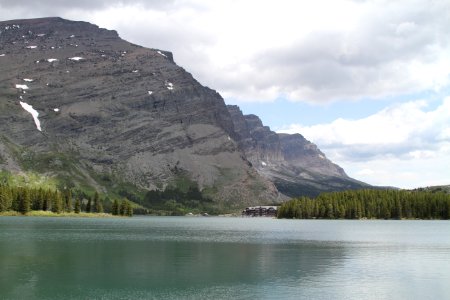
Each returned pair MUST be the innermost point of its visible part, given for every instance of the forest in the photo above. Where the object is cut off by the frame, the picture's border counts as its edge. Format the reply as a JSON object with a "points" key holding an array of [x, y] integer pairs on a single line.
{"points": [[26, 199], [369, 204], [178, 201]]}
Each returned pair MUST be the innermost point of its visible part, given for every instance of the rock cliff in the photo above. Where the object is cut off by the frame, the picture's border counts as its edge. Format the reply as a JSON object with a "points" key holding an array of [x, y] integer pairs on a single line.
{"points": [[105, 106], [295, 165]]}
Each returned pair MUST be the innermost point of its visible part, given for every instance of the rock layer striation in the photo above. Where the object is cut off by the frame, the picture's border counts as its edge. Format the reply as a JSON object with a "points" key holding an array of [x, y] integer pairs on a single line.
{"points": [[294, 164]]}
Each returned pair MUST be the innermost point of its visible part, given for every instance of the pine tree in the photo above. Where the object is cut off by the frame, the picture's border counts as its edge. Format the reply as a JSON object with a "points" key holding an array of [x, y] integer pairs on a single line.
{"points": [[115, 208], [5, 198], [68, 201], [89, 205], [57, 203], [129, 209], [98, 203], [123, 207], [24, 202], [78, 205], [100, 206], [94, 209], [46, 202], [36, 202]]}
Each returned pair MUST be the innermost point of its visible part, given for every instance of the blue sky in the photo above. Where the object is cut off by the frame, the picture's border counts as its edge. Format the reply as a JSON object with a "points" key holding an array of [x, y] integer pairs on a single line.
{"points": [[368, 81], [282, 112]]}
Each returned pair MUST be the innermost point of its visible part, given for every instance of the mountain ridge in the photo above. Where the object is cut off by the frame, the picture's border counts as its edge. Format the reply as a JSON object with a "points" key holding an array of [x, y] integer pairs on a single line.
{"points": [[111, 111], [294, 164]]}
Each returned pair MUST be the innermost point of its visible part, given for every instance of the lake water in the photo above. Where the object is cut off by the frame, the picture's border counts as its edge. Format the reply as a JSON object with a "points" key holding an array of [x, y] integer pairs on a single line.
{"points": [[223, 258]]}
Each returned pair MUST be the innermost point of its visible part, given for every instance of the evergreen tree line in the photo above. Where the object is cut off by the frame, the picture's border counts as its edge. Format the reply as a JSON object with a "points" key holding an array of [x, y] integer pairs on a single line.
{"points": [[371, 204], [192, 197], [123, 208], [178, 201], [25, 199]]}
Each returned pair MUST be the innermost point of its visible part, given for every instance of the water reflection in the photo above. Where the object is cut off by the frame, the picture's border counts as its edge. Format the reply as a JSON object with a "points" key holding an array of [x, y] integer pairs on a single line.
{"points": [[179, 258]]}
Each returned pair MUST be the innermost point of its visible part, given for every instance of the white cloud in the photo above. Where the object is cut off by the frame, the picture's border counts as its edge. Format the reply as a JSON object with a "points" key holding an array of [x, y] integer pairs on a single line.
{"points": [[251, 50], [405, 145], [404, 173], [314, 51]]}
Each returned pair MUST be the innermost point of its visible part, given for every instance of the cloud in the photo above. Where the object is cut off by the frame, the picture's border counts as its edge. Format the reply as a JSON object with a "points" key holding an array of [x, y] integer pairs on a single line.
{"points": [[388, 52], [416, 172], [406, 144], [60, 6], [315, 51]]}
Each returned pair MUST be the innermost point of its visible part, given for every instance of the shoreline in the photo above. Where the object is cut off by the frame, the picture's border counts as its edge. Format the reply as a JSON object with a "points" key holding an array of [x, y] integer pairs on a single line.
{"points": [[41, 213]]}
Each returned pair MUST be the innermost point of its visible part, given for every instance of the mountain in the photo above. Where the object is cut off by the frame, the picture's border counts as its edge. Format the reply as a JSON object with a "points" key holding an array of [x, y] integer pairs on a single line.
{"points": [[81, 105], [295, 165]]}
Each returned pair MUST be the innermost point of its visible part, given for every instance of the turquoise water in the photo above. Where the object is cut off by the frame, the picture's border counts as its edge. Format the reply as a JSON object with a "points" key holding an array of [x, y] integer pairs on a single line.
{"points": [[223, 258]]}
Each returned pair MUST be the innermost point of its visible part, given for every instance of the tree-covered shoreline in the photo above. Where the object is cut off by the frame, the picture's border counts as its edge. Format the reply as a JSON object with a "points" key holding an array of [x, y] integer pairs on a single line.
{"points": [[24, 200], [369, 204]]}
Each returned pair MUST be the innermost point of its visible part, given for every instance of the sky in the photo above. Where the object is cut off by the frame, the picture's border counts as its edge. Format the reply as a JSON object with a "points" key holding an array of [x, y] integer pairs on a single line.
{"points": [[368, 81]]}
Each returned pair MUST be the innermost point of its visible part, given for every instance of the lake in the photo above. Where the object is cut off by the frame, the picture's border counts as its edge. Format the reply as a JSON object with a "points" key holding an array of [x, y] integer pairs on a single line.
{"points": [[223, 258]]}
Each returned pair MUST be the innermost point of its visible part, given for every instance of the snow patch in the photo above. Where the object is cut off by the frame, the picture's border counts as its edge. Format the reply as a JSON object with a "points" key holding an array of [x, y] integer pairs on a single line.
{"points": [[31, 47], [52, 59], [33, 112], [41, 34], [12, 27], [28, 80], [160, 53], [22, 86], [76, 58]]}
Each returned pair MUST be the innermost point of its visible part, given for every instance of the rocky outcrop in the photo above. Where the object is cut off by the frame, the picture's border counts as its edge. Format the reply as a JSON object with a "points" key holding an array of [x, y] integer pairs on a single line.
{"points": [[106, 106], [295, 165]]}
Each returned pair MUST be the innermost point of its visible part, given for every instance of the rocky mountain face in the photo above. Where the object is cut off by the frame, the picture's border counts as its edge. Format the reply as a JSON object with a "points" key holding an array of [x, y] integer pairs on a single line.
{"points": [[295, 165], [109, 110], [80, 104]]}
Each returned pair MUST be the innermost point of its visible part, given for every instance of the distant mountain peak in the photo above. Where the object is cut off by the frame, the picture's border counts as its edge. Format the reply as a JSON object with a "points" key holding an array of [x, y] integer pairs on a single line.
{"points": [[294, 164]]}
